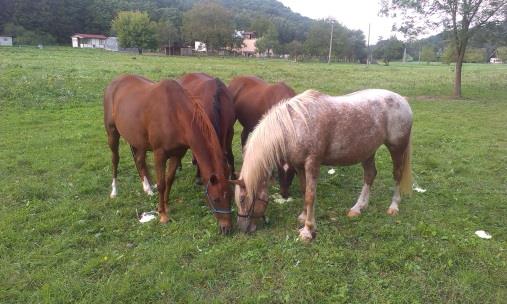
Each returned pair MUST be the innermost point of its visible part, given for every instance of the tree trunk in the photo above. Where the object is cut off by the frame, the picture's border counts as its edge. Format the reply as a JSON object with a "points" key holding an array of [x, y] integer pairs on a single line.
{"points": [[140, 50], [457, 79]]}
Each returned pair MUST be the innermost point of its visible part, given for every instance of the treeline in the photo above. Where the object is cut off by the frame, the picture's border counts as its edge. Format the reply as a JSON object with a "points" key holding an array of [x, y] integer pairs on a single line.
{"points": [[489, 41], [281, 30]]}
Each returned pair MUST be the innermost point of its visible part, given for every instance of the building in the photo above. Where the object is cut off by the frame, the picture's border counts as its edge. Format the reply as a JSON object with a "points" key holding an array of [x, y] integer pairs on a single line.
{"points": [[248, 48], [88, 41], [5, 41]]}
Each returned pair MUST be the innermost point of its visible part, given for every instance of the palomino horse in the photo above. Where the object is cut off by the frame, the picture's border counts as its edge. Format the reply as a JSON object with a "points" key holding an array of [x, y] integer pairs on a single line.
{"points": [[253, 97], [216, 101], [161, 117], [313, 129]]}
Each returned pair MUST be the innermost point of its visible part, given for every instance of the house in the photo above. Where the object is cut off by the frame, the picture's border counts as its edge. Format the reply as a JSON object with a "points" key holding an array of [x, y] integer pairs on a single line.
{"points": [[5, 41], [495, 60], [200, 47], [248, 48], [88, 41]]}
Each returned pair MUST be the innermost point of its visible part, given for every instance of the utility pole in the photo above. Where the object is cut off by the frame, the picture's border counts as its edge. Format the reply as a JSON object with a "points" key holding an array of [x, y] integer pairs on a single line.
{"points": [[368, 49], [330, 42]]}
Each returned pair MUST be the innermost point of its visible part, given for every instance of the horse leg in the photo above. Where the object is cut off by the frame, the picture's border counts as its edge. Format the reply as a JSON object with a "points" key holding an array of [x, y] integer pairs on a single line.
{"points": [[285, 175], [142, 169], [160, 165], [397, 156], [113, 138], [244, 138], [229, 155], [198, 180], [174, 163], [302, 186], [369, 176], [307, 233]]}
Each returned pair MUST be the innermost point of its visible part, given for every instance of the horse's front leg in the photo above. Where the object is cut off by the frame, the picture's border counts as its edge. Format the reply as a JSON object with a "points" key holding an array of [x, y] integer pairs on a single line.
{"points": [[160, 165], [302, 187], [307, 233]]}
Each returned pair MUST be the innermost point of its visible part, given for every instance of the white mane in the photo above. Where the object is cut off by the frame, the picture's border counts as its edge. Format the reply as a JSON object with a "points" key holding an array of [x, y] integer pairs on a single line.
{"points": [[267, 144]]}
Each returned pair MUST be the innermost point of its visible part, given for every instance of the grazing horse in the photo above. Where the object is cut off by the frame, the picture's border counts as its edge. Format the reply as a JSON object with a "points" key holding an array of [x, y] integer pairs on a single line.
{"points": [[216, 101], [313, 129], [161, 117], [253, 97]]}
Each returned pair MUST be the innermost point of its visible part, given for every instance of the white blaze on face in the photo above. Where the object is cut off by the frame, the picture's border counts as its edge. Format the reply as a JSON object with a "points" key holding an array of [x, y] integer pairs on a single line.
{"points": [[114, 190], [285, 167], [147, 186]]}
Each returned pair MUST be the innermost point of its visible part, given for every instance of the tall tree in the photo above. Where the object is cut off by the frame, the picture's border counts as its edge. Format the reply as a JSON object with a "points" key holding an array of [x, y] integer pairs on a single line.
{"points": [[210, 23], [462, 17], [134, 30], [269, 42]]}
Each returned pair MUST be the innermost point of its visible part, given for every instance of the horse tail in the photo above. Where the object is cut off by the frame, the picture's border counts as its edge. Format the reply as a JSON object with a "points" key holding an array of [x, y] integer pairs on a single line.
{"points": [[406, 174]]}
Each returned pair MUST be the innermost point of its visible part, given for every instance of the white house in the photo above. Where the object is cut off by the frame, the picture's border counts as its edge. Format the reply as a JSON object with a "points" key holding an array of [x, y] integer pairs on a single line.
{"points": [[88, 41], [200, 47], [5, 41]]}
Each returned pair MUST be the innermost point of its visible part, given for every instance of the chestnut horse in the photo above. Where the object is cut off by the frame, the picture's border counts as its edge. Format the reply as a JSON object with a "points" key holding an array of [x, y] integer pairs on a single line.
{"points": [[313, 129], [216, 101], [253, 97], [161, 117]]}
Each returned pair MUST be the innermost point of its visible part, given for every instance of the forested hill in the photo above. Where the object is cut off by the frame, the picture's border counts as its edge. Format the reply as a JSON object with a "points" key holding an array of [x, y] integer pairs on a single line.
{"points": [[57, 20]]}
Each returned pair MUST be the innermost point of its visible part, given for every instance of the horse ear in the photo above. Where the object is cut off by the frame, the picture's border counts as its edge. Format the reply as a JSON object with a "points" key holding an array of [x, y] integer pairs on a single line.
{"points": [[238, 182], [213, 179]]}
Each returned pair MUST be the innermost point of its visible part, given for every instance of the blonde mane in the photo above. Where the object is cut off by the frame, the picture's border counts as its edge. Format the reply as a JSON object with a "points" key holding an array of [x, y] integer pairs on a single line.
{"points": [[267, 144], [204, 124]]}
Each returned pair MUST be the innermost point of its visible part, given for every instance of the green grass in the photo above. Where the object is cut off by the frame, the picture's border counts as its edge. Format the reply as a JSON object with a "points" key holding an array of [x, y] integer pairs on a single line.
{"points": [[63, 240]]}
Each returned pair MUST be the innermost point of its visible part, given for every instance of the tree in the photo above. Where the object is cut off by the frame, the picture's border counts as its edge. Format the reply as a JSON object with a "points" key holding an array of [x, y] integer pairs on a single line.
{"points": [[387, 50], [463, 18], [502, 53], [167, 33], [428, 54], [295, 49], [134, 30], [269, 42], [210, 23]]}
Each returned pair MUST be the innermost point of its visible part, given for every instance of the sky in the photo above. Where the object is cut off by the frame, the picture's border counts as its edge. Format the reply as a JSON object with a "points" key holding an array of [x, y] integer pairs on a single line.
{"points": [[354, 14]]}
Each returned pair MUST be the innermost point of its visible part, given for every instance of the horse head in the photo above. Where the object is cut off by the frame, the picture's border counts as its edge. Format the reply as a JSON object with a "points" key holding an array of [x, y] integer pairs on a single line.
{"points": [[251, 208]]}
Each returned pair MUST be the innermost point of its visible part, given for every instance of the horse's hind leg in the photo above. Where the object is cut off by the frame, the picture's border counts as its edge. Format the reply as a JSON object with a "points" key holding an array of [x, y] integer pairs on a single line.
{"points": [[369, 176], [400, 158], [160, 165], [140, 161], [198, 179], [113, 138], [285, 176]]}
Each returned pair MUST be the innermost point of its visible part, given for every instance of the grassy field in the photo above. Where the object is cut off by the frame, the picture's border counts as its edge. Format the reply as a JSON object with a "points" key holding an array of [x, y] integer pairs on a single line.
{"points": [[63, 240]]}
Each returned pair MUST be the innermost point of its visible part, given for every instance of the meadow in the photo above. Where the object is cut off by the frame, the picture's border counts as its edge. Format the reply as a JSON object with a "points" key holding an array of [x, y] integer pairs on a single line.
{"points": [[63, 240]]}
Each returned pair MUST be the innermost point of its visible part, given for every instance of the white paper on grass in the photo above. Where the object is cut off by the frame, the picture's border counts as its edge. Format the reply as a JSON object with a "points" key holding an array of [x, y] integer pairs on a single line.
{"points": [[331, 171], [483, 234], [148, 216]]}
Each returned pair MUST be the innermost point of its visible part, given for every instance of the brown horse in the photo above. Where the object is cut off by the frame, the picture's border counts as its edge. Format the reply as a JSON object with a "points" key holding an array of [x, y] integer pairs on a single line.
{"points": [[313, 129], [216, 101], [253, 97], [161, 117]]}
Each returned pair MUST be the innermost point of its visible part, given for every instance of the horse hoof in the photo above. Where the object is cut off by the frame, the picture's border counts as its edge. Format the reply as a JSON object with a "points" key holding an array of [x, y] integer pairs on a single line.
{"points": [[306, 235], [150, 193], [164, 219], [112, 195], [392, 211], [353, 213]]}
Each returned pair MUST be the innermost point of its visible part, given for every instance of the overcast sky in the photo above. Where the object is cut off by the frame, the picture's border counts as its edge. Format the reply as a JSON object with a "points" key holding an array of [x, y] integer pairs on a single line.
{"points": [[355, 14]]}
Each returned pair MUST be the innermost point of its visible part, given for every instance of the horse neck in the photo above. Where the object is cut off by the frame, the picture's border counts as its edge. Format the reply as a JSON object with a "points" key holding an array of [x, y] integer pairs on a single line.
{"points": [[205, 147]]}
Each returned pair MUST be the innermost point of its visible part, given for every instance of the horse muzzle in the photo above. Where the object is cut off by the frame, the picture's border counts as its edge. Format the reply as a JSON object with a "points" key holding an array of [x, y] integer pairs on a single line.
{"points": [[246, 225]]}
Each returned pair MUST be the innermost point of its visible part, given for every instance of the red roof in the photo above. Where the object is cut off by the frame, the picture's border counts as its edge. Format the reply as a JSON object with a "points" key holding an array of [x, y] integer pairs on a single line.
{"points": [[90, 36]]}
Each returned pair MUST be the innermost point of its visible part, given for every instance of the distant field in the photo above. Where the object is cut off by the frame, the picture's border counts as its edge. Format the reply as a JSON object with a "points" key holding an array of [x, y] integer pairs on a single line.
{"points": [[62, 240]]}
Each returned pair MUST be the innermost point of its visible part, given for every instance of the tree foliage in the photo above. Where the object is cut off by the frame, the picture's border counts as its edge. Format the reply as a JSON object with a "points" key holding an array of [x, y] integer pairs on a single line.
{"points": [[428, 54], [210, 23], [134, 30], [462, 18], [388, 50]]}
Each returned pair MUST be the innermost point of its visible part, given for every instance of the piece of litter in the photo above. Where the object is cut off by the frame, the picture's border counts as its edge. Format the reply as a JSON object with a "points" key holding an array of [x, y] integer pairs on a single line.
{"points": [[331, 171], [419, 189], [148, 216], [483, 234]]}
